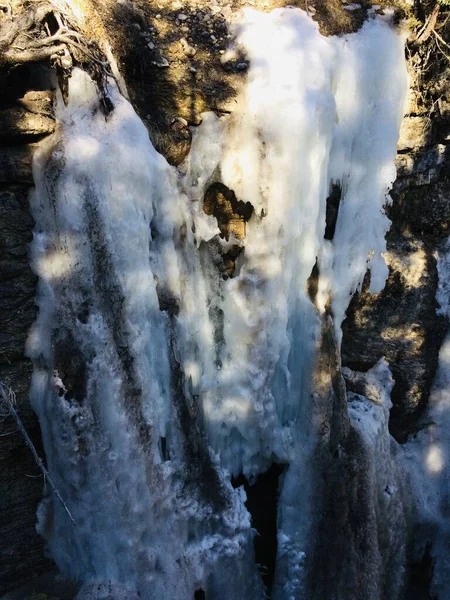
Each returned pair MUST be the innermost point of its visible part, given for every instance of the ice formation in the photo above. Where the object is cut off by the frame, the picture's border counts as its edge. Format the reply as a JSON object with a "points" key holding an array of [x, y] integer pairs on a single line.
{"points": [[109, 218], [315, 111], [156, 379]]}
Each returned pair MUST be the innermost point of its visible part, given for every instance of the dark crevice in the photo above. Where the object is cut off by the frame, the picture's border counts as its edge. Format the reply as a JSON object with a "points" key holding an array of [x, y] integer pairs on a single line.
{"points": [[83, 312], [163, 449], [167, 302], [262, 504], [420, 575], [70, 365], [23, 79], [312, 285], [229, 261], [50, 22], [14, 140], [332, 210], [199, 595]]}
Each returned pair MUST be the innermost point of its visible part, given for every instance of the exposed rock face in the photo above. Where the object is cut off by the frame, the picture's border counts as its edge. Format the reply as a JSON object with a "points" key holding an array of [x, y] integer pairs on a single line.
{"points": [[22, 122], [15, 164], [399, 323], [173, 55], [415, 132]]}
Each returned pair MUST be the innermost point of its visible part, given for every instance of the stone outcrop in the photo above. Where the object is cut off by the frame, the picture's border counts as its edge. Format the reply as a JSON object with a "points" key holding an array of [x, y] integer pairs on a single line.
{"points": [[173, 55], [18, 122], [415, 132], [231, 214]]}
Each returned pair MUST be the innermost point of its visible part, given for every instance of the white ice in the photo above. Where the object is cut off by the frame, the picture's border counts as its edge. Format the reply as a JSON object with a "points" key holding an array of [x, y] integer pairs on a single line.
{"points": [[109, 212], [315, 111]]}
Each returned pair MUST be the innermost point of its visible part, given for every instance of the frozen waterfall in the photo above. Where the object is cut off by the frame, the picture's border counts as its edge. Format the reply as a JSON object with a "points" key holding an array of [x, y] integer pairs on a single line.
{"points": [[173, 351]]}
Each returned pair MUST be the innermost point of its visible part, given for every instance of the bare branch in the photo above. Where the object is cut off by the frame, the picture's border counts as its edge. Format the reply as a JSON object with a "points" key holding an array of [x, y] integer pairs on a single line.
{"points": [[8, 404], [440, 39]]}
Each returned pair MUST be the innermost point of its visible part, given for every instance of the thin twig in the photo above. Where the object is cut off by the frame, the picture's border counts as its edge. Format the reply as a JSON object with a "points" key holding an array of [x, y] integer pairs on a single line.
{"points": [[440, 38], [9, 399], [8, 433], [438, 44]]}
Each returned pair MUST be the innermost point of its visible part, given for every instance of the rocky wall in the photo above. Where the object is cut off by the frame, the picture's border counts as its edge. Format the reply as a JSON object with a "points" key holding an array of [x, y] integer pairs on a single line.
{"points": [[25, 118]]}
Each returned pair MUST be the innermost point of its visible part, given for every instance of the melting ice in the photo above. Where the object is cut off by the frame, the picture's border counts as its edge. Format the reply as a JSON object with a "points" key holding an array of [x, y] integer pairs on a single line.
{"points": [[156, 378]]}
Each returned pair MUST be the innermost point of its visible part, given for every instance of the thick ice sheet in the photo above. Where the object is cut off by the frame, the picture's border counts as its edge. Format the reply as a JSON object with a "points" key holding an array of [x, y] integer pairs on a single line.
{"points": [[108, 212], [315, 111]]}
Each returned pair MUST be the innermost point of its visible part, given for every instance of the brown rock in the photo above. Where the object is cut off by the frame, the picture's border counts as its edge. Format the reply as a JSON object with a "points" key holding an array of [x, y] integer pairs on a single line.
{"points": [[18, 123], [414, 133], [40, 103], [230, 213]]}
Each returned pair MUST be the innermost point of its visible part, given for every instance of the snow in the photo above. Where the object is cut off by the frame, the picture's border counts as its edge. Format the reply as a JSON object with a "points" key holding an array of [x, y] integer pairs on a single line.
{"points": [[371, 416], [117, 226]]}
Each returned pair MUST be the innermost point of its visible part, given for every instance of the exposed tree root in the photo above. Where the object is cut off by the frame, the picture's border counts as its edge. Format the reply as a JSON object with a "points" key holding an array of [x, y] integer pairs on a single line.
{"points": [[40, 31]]}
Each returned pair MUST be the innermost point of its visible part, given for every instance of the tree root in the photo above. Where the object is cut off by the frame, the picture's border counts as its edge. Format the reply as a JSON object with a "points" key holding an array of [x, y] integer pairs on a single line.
{"points": [[17, 58], [42, 33], [25, 37]]}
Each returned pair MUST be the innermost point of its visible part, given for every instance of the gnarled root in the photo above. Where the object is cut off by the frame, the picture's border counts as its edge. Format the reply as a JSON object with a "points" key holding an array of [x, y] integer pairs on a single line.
{"points": [[25, 36]]}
